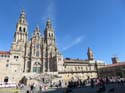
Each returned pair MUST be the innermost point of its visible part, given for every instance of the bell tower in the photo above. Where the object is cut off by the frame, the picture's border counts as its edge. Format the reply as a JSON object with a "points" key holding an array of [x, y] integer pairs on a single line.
{"points": [[90, 54], [21, 34], [49, 39], [49, 33]]}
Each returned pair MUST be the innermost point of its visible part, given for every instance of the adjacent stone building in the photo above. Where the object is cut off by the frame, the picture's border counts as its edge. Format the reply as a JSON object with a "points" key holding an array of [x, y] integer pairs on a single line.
{"points": [[116, 69], [32, 57]]}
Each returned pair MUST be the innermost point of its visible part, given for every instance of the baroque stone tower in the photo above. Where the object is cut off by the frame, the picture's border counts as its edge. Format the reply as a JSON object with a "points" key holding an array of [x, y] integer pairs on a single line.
{"points": [[21, 34], [90, 54], [49, 34], [50, 44]]}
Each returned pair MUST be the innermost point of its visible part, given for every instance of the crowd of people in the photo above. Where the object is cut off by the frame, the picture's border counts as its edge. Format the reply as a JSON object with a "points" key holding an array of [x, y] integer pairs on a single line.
{"points": [[100, 82], [96, 81]]}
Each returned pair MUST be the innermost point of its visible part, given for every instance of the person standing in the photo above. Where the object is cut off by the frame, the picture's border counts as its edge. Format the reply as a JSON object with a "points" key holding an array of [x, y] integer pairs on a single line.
{"points": [[92, 83]]}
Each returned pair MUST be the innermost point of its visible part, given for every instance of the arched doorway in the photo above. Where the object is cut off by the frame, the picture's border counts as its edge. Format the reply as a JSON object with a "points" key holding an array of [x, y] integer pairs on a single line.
{"points": [[6, 79]]}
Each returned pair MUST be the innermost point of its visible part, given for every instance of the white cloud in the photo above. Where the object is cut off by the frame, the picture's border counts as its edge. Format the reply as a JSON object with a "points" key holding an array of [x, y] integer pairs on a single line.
{"points": [[73, 43]]}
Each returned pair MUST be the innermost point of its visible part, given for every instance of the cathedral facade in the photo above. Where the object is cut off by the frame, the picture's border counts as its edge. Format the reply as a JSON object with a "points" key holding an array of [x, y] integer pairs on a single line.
{"points": [[39, 54]]}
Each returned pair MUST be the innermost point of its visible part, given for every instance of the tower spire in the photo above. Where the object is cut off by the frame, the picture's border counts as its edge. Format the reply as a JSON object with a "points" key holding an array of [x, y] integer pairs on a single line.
{"points": [[48, 24], [22, 18], [37, 28], [21, 33], [23, 13]]}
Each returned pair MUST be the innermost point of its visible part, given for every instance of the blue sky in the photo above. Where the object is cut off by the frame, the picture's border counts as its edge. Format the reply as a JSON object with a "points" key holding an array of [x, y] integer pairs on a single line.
{"points": [[78, 24]]}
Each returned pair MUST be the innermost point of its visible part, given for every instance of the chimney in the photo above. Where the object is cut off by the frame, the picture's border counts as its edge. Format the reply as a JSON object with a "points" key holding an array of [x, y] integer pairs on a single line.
{"points": [[115, 60]]}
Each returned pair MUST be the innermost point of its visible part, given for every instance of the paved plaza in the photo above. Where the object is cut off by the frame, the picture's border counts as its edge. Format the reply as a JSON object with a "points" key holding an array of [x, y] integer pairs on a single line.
{"points": [[118, 88]]}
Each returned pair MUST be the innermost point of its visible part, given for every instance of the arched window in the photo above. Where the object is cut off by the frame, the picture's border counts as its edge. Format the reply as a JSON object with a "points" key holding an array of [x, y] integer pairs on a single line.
{"points": [[52, 35], [20, 29], [49, 34], [23, 21], [37, 34], [24, 29], [37, 67]]}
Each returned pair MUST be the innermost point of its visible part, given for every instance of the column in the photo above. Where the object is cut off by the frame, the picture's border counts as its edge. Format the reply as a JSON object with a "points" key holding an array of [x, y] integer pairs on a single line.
{"points": [[31, 68], [25, 64], [16, 37], [43, 65], [19, 37], [48, 64], [22, 37]]}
